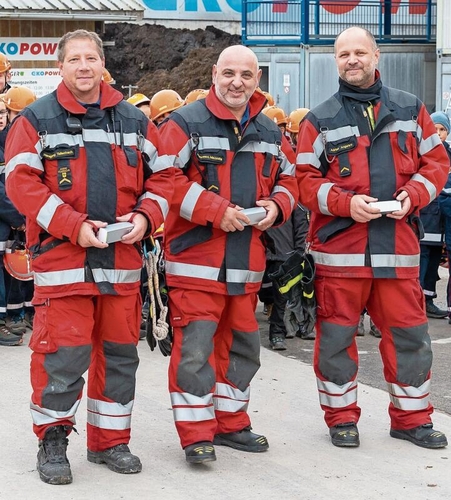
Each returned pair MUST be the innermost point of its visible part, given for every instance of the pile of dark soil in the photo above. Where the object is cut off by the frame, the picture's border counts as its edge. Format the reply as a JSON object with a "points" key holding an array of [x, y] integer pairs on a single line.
{"points": [[153, 57]]}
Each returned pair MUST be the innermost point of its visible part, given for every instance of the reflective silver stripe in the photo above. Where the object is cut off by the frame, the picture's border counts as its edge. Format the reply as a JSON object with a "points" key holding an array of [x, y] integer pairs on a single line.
{"points": [[343, 259], [2, 169], [410, 398], [427, 184], [43, 416], [428, 144], [231, 399], [162, 162], [117, 275], [433, 237], [162, 202], [30, 159], [243, 276], [2, 246], [341, 133], [308, 159], [190, 200], [337, 396], [230, 405], [323, 193], [48, 210], [52, 140], [389, 260], [192, 270], [113, 416], [287, 168], [446, 190], [410, 391], [97, 135], [404, 125], [281, 189], [191, 408], [261, 147], [55, 278], [212, 142], [184, 155]]}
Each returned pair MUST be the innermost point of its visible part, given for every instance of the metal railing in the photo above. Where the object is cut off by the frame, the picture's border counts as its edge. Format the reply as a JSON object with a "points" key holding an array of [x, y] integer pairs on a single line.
{"points": [[316, 22]]}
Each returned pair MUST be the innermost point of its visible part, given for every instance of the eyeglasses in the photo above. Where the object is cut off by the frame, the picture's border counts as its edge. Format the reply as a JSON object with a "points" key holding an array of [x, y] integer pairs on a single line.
{"points": [[3, 111]]}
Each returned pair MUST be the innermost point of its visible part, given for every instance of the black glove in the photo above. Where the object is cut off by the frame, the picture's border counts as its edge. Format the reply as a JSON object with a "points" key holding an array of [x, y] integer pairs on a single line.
{"points": [[294, 280]]}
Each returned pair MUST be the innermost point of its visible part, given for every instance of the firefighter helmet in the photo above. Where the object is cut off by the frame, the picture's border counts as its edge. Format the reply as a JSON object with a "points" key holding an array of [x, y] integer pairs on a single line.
{"points": [[294, 119], [107, 78], [17, 262], [276, 114], [195, 95], [163, 102], [137, 99], [269, 97], [5, 65], [18, 98]]}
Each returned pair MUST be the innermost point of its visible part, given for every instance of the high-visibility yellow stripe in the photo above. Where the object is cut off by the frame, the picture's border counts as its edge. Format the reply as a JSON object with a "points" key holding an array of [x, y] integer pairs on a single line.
{"points": [[291, 283]]}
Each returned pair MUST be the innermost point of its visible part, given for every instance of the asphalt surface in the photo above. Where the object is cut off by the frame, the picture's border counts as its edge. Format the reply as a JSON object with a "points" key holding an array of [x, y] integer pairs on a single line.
{"points": [[300, 464]]}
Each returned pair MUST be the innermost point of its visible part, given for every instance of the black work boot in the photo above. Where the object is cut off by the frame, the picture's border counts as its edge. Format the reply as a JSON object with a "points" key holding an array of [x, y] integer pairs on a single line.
{"points": [[201, 452], [52, 464], [423, 435], [345, 435], [432, 311], [118, 459], [243, 440]]}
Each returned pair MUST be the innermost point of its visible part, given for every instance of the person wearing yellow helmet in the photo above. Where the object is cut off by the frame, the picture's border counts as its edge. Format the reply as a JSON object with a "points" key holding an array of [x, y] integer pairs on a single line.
{"points": [[142, 102]]}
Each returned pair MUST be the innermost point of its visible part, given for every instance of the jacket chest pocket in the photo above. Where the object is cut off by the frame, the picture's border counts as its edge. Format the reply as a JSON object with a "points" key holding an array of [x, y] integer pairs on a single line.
{"points": [[129, 171], [406, 156]]}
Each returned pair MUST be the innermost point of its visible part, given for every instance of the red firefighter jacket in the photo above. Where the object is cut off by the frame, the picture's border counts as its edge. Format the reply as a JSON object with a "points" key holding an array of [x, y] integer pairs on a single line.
{"points": [[223, 165], [336, 159], [67, 163]]}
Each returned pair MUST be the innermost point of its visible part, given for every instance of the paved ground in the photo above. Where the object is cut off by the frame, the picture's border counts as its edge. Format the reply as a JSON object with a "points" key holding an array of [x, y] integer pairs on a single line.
{"points": [[301, 462]]}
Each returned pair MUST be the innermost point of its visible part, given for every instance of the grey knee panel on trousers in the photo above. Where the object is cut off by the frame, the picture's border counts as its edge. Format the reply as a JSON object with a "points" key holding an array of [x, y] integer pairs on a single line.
{"points": [[334, 362], [244, 359], [194, 373], [65, 368], [413, 354], [121, 363]]}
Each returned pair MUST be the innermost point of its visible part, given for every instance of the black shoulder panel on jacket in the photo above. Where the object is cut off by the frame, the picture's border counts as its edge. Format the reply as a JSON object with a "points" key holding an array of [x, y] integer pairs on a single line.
{"points": [[328, 109]]}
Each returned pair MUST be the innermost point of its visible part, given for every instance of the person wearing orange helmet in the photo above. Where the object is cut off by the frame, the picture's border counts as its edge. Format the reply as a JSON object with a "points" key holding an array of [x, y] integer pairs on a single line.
{"points": [[18, 98], [107, 78], [20, 312], [5, 73], [195, 94], [163, 103], [294, 119], [9, 218], [142, 102]]}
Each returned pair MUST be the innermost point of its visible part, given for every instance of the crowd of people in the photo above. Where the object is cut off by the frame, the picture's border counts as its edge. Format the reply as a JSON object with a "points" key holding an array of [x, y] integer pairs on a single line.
{"points": [[191, 167]]}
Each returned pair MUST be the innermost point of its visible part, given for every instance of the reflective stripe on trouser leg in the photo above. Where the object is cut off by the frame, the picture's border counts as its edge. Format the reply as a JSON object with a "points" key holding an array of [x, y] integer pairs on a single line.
{"points": [[59, 360], [195, 382], [237, 350], [340, 303], [111, 383], [397, 308]]}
